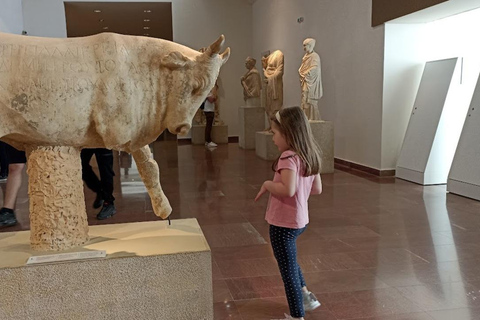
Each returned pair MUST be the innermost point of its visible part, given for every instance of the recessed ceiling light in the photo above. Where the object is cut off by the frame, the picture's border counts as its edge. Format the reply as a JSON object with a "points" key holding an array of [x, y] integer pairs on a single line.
{"points": [[146, 20], [146, 28], [105, 28], [97, 11], [148, 11], [101, 20]]}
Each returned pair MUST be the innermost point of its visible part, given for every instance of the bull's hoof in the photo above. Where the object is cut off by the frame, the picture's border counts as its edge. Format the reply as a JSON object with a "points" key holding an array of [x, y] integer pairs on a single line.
{"points": [[163, 211]]}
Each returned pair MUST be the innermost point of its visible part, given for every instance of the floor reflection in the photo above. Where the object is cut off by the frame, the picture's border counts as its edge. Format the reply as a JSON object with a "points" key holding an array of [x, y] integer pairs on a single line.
{"points": [[375, 248]]}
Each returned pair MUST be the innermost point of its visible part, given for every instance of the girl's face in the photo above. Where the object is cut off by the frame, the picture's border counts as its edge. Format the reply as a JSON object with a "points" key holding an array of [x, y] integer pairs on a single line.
{"points": [[279, 139]]}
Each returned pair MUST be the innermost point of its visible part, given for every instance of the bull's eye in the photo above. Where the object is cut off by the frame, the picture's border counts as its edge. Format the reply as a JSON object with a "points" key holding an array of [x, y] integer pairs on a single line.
{"points": [[195, 91]]}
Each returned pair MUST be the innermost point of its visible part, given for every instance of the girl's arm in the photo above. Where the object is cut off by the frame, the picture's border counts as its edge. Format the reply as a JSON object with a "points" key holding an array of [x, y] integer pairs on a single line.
{"points": [[286, 188], [317, 185]]}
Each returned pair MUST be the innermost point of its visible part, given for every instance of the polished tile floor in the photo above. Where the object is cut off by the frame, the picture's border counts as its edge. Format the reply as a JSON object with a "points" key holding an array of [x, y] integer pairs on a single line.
{"points": [[376, 248]]}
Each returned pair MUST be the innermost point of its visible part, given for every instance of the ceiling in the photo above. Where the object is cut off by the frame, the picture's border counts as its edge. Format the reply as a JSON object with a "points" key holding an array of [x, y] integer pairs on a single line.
{"points": [[152, 19], [440, 11]]}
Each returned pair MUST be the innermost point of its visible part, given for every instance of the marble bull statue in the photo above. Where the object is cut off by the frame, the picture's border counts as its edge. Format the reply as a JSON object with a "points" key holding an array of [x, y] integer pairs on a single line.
{"points": [[108, 90]]}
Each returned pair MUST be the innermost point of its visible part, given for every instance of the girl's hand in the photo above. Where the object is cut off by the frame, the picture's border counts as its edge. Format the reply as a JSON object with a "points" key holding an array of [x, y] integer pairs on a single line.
{"points": [[261, 192]]}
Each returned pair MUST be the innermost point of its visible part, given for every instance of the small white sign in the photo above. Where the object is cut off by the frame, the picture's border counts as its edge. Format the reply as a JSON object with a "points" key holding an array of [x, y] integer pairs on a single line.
{"points": [[62, 257]]}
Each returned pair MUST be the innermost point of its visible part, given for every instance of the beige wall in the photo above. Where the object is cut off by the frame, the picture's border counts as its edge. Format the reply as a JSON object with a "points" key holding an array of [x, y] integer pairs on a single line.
{"points": [[196, 23], [352, 66]]}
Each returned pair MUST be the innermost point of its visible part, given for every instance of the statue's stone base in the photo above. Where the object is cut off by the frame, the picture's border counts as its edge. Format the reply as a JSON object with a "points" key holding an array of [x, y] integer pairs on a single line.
{"points": [[324, 135], [253, 102], [252, 119], [264, 146], [219, 134], [152, 271]]}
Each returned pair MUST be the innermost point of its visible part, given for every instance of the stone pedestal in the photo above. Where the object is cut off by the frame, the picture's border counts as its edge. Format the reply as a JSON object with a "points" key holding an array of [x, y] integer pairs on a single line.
{"points": [[324, 135], [253, 102], [252, 119], [152, 271], [219, 134], [264, 146]]}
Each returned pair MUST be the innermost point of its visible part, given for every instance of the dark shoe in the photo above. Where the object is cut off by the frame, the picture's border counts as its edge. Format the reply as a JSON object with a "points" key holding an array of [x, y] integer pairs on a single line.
{"points": [[7, 217], [107, 211], [3, 178], [98, 201]]}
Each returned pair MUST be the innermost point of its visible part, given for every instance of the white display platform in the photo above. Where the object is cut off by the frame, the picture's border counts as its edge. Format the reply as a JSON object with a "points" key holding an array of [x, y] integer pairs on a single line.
{"points": [[152, 271], [252, 119], [323, 132], [434, 128], [464, 176], [264, 146], [219, 134]]}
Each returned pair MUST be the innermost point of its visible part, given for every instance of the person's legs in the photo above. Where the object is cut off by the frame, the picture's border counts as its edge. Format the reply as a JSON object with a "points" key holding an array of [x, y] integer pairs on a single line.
{"points": [[285, 250], [208, 128], [14, 183], [3, 161], [16, 160], [90, 178], [105, 166]]}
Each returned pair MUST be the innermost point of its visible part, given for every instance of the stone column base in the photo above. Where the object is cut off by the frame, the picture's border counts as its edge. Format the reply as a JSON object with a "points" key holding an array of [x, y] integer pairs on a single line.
{"points": [[264, 146], [323, 133], [58, 219], [252, 119]]}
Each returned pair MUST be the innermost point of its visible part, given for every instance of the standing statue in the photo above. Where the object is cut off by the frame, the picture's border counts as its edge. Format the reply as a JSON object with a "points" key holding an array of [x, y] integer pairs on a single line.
{"points": [[311, 80], [251, 83], [273, 72]]}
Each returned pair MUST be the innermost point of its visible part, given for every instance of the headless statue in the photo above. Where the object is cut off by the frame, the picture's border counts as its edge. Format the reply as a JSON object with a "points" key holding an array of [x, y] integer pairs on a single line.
{"points": [[273, 72]]}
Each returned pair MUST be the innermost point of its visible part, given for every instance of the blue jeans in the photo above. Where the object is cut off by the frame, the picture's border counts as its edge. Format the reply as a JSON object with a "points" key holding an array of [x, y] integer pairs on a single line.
{"points": [[285, 250]]}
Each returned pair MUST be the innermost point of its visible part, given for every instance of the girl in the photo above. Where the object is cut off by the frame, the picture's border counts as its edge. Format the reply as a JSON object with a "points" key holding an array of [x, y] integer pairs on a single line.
{"points": [[296, 177]]}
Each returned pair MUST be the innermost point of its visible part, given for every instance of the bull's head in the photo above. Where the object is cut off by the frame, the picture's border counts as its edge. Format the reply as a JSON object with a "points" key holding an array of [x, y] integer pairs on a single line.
{"points": [[189, 82]]}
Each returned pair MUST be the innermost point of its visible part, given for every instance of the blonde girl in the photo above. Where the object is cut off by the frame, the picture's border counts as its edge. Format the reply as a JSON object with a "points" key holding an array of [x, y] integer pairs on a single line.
{"points": [[296, 177]]}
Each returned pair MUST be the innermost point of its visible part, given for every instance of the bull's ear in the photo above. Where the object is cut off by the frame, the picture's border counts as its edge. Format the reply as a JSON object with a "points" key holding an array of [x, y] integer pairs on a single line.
{"points": [[214, 48], [176, 60], [225, 55]]}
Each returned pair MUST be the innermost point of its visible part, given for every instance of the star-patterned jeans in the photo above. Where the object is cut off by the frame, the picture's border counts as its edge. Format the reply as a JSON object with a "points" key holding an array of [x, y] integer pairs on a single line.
{"points": [[284, 246]]}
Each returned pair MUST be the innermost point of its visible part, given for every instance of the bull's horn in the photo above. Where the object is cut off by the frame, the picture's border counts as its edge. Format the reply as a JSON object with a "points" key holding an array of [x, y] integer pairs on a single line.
{"points": [[225, 55], [214, 48]]}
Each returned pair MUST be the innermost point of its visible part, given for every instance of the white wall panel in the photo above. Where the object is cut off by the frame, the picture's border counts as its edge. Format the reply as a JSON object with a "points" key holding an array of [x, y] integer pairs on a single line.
{"points": [[464, 177], [435, 125]]}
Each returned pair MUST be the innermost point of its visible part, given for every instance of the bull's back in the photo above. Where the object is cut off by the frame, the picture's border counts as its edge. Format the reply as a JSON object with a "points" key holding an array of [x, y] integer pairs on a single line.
{"points": [[55, 91]]}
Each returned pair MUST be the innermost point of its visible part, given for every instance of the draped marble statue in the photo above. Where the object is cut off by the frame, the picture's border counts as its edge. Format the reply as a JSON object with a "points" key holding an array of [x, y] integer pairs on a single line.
{"points": [[273, 72], [311, 80], [251, 83]]}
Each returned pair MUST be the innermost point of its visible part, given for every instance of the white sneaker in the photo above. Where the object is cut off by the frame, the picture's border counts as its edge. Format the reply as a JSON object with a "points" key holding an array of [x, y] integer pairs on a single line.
{"points": [[310, 302], [287, 317], [212, 144]]}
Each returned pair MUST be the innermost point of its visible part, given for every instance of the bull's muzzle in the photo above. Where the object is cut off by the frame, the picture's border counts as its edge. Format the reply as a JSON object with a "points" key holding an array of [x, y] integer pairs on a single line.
{"points": [[181, 129]]}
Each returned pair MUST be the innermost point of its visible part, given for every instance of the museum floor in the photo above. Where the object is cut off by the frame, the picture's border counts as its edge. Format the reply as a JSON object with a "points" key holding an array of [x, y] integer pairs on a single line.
{"points": [[376, 248]]}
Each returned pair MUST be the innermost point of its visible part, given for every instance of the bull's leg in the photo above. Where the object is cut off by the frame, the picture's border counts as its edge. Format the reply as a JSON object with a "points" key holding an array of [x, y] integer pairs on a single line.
{"points": [[58, 219], [148, 169]]}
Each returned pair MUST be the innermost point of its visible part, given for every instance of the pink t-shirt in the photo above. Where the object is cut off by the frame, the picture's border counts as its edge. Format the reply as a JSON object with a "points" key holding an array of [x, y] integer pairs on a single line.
{"points": [[290, 212]]}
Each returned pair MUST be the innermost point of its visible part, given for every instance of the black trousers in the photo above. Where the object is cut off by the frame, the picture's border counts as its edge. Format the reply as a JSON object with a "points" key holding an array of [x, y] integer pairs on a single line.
{"points": [[3, 160], [104, 186], [208, 128]]}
